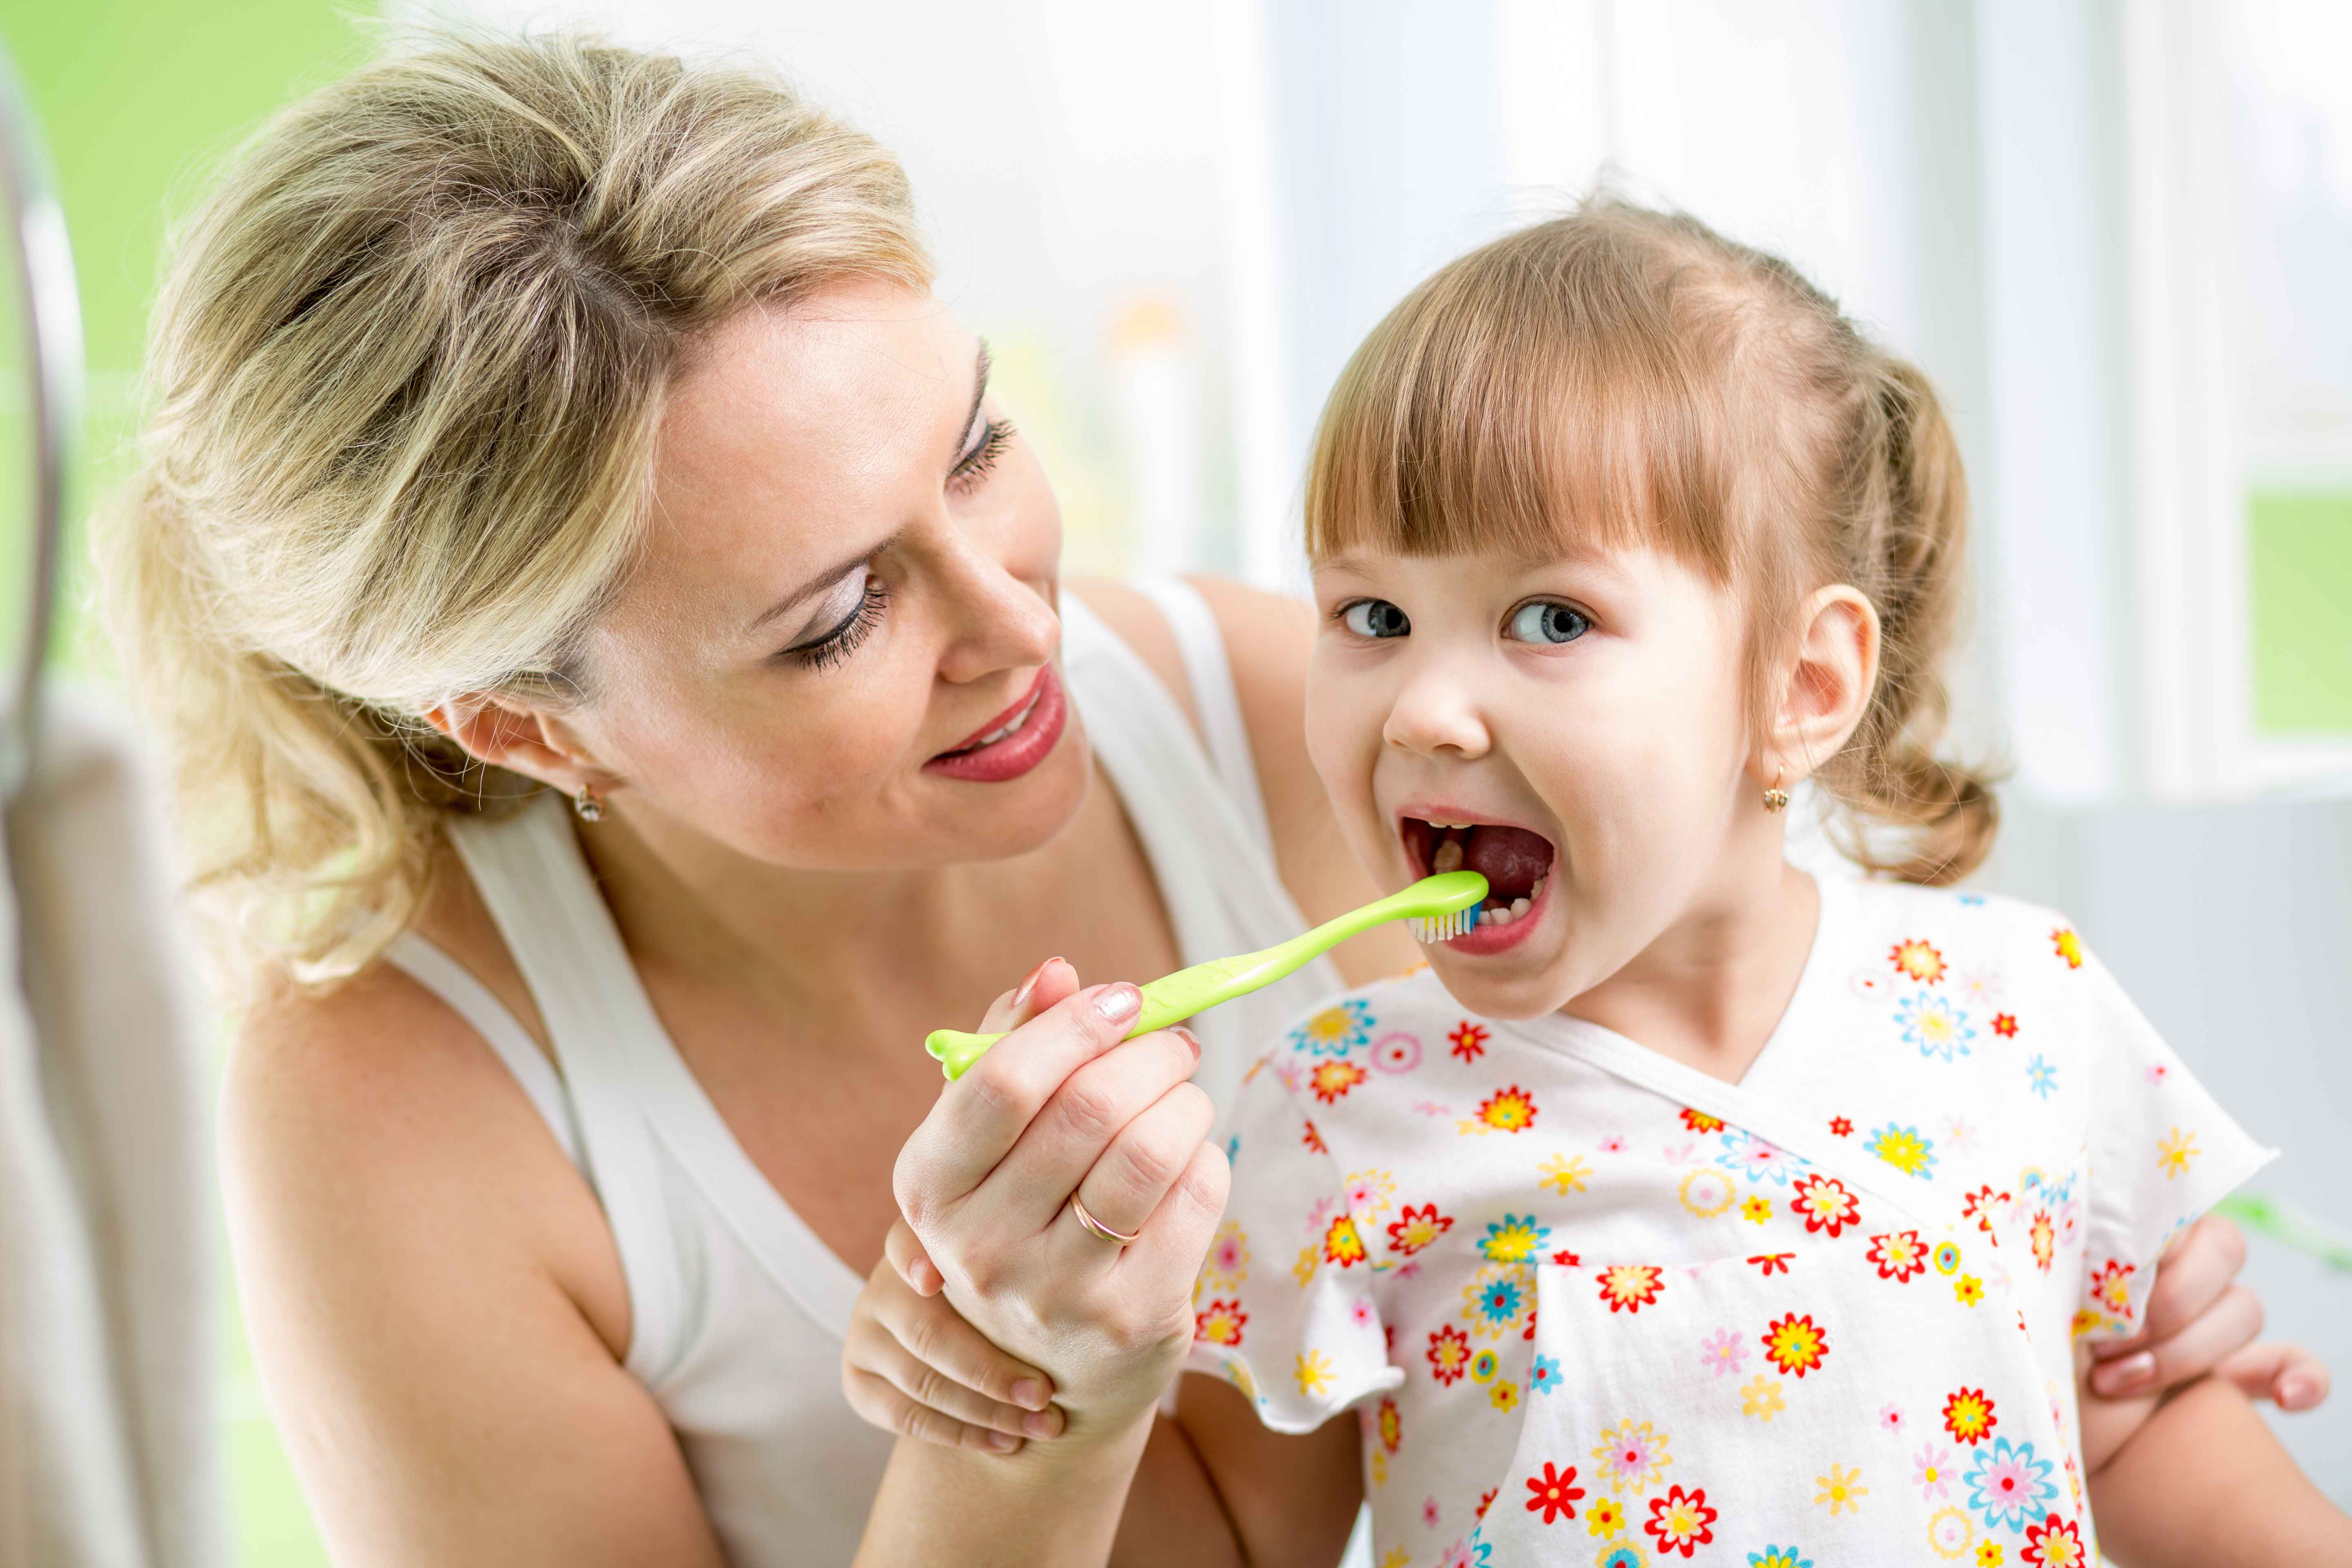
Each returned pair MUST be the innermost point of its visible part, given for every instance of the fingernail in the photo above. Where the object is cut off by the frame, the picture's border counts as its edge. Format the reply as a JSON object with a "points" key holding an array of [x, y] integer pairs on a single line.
{"points": [[1021, 991], [1119, 1002], [1029, 1393], [1004, 1442], [2122, 1377], [1191, 1039], [927, 1281], [2295, 1392], [1038, 1425]]}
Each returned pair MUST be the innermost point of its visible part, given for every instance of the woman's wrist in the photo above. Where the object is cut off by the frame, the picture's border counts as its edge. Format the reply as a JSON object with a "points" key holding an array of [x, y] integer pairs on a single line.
{"points": [[1055, 1505]]}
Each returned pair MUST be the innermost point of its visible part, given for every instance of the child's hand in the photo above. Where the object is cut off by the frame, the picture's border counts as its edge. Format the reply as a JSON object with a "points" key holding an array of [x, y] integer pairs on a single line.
{"points": [[2199, 1320], [912, 1365]]}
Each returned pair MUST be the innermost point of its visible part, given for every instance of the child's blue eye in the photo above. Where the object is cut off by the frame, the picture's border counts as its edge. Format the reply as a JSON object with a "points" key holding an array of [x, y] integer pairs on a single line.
{"points": [[1375, 618], [1541, 621]]}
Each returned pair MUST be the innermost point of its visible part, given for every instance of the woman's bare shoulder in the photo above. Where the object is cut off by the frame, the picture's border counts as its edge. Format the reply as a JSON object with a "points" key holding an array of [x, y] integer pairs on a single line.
{"points": [[1140, 625]]}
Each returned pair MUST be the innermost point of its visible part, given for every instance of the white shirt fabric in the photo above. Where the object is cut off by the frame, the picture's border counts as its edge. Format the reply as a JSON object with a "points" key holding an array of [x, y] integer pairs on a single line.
{"points": [[738, 1310], [1594, 1306]]}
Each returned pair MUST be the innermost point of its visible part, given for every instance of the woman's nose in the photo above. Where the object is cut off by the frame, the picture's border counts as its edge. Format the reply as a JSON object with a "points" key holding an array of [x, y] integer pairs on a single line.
{"points": [[1435, 714], [999, 620]]}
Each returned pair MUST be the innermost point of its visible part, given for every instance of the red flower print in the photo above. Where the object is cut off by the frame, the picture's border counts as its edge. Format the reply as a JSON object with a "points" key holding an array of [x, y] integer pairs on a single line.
{"points": [[1772, 1263], [1333, 1078], [2053, 1543], [1978, 1207], [1680, 1521], [2045, 1237], [1511, 1109], [1314, 1140], [1417, 1229], [1796, 1345], [1488, 1501], [1899, 1255], [1567, 1259], [1967, 1414], [1630, 1287], [1220, 1323], [1917, 959], [1449, 1355], [1826, 1205], [1700, 1121], [1341, 1244], [1841, 1126], [1392, 1424], [1469, 1040], [2111, 1288], [2005, 1026], [2068, 946], [1556, 1494]]}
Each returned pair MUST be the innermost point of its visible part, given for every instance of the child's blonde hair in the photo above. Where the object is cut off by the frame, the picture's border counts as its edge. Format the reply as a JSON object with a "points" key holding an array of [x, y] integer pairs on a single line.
{"points": [[407, 364], [1620, 376]]}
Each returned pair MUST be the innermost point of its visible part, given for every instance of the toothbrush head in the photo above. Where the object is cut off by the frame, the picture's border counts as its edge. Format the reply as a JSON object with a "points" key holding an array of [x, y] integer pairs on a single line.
{"points": [[1443, 928], [1445, 906]]}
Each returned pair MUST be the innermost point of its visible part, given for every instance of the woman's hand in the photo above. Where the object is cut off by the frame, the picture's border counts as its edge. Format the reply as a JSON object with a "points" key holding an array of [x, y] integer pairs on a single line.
{"points": [[1061, 1106], [913, 1366], [2200, 1320]]}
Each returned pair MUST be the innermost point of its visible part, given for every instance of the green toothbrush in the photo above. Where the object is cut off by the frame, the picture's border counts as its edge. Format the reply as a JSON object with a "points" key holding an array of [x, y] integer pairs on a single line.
{"points": [[1438, 907]]}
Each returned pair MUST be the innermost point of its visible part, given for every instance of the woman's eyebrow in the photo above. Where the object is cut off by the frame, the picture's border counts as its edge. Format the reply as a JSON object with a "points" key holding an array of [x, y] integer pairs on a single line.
{"points": [[816, 585], [980, 367]]}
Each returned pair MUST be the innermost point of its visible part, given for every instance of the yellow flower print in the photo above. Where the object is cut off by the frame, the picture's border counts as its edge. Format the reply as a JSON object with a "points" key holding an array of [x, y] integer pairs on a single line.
{"points": [[1511, 1109], [1755, 1210], [1398, 1557], [1228, 1262], [1707, 1192], [1313, 1372], [1919, 960], [1762, 1398], [1380, 1469], [1341, 1244], [1632, 1456], [1309, 1257], [2068, 946], [1842, 1490], [1370, 1194], [1566, 1174], [1950, 1531], [2174, 1151], [1604, 1519], [1503, 1396], [1968, 1290], [1990, 1554]]}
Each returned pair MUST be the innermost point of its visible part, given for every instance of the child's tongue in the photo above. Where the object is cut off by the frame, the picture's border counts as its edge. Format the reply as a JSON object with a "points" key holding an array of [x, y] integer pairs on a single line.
{"points": [[1510, 858]]}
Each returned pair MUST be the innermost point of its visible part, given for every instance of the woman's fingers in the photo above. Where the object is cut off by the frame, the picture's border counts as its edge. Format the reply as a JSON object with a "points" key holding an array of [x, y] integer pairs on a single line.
{"points": [[2223, 1328], [980, 1117], [1041, 988], [1073, 1130], [879, 1403], [1164, 1265], [1128, 1183], [910, 1262], [935, 1337], [2291, 1375]]}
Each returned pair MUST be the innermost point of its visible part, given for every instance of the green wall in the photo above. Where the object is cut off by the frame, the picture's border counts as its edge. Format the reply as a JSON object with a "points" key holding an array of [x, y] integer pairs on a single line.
{"points": [[138, 99], [2299, 546]]}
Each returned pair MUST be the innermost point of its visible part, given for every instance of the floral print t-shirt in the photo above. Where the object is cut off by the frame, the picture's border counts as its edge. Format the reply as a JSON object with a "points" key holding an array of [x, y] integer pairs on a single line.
{"points": [[1593, 1306]]}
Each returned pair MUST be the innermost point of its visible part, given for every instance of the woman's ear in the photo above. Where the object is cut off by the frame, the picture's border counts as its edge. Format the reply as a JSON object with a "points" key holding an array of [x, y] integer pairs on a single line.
{"points": [[1833, 671], [519, 740]]}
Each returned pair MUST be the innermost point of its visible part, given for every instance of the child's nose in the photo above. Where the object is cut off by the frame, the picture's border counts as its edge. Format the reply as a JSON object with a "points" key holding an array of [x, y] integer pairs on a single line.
{"points": [[1435, 715]]}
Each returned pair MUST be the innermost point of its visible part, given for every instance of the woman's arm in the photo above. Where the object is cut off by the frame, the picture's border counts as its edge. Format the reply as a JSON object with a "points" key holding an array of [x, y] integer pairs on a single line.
{"points": [[445, 1371], [2204, 1484]]}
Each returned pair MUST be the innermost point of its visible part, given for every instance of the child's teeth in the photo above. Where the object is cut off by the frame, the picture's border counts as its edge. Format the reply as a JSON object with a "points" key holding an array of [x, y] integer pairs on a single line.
{"points": [[1448, 856], [1519, 907], [1539, 885]]}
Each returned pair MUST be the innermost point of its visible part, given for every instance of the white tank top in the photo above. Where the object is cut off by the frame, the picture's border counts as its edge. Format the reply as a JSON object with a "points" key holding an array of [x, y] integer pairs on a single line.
{"points": [[737, 1308]]}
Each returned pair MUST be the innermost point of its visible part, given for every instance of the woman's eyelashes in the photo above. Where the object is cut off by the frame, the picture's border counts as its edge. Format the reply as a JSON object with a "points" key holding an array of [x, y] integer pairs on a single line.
{"points": [[989, 440], [829, 648]]}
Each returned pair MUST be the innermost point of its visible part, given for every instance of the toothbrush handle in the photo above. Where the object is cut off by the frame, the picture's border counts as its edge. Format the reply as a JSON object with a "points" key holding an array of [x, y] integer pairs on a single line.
{"points": [[1170, 999]]}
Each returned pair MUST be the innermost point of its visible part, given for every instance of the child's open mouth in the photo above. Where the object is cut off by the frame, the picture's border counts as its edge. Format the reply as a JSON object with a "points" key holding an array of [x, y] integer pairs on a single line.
{"points": [[1516, 862]]}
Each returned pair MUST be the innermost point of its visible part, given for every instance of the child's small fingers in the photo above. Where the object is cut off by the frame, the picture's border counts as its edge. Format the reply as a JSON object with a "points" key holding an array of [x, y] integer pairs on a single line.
{"points": [[935, 1390], [910, 1263], [880, 1403], [933, 1335], [2288, 1375]]}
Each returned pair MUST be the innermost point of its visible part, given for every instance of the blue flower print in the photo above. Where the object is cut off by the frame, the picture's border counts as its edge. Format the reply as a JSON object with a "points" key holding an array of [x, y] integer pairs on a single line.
{"points": [[1935, 1025], [2040, 1077], [2008, 1486], [1481, 1552], [1623, 1557], [1778, 1557], [1515, 1238], [1755, 1159], [1544, 1376], [1497, 1305], [1905, 1149], [1971, 899], [1336, 1030]]}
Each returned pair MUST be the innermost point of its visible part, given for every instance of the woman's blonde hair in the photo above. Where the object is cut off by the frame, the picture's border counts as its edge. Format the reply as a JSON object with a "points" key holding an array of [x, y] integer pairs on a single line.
{"points": [[1620, 375], [405, 372]]}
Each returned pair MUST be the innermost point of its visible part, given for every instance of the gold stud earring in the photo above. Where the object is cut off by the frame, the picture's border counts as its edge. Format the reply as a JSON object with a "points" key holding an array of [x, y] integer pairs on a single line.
{"points": [[1776, 798], [589, 804]]}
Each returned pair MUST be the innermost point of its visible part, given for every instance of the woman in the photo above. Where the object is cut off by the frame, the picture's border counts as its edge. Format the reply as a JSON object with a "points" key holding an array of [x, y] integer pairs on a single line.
{"points": [[623, 697]]}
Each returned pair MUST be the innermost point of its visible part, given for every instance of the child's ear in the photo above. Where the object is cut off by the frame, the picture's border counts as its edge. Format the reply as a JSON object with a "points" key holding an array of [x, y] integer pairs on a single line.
{"points": [[1833, 670], [521, 739]]}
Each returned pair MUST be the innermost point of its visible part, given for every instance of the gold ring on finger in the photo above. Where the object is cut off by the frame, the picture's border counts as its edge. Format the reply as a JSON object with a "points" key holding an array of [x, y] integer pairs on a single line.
{"points": [[1123, 1239]]}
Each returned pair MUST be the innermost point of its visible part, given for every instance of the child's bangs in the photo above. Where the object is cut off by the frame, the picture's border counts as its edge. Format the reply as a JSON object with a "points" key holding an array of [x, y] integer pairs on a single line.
{"points": [[1502, 408]]}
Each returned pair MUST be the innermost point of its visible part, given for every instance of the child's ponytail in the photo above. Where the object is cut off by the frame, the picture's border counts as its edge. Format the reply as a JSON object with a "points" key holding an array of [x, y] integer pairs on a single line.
{"points": [[1906, 516]]}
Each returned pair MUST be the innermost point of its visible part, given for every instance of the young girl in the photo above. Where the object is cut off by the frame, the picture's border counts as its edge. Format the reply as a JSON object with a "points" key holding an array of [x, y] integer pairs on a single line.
{"points": [[1691, 1207]]}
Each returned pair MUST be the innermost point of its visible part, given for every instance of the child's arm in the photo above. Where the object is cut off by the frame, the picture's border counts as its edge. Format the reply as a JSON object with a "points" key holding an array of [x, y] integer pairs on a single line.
{"points": [[2204, 1483]]}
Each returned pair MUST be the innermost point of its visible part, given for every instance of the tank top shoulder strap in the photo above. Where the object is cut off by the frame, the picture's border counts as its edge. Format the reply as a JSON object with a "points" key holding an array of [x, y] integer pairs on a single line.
{"points": [[536, 883], [432, 967], [1209, 672]]}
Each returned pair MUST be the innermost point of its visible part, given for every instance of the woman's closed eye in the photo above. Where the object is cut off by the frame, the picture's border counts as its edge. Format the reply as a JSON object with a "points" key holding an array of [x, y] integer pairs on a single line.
{"points": [[983, 445], [844, 637], [1547, 622]]}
